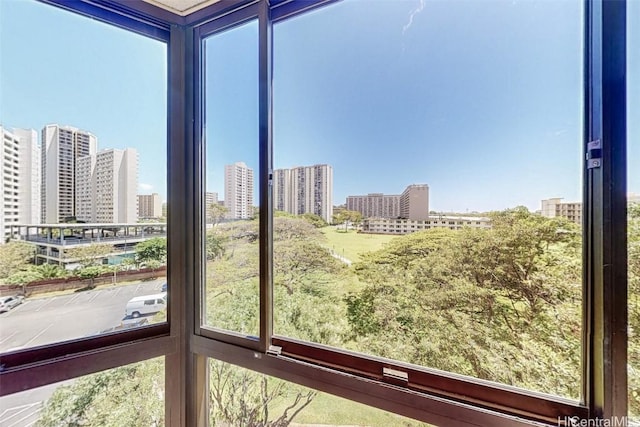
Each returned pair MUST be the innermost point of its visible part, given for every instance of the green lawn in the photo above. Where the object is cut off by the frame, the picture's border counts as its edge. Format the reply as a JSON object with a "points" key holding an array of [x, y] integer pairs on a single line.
{"points": [[329, 410], [351, 244]]}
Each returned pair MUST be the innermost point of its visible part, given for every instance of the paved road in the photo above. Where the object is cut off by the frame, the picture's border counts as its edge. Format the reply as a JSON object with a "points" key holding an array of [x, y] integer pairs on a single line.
{"points": [[46, 320]]}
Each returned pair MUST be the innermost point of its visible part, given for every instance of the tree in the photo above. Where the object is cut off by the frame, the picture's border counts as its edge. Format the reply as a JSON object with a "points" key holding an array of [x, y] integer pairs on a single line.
{"points": [[347, 217], [89, 255], [241, 397], [476, 301], [50, 271], [216, 213], [315, 220], [126, 396], [90, 272], [152, 250], [15, 257], [132, 395], [215, 245], [22, 278]]}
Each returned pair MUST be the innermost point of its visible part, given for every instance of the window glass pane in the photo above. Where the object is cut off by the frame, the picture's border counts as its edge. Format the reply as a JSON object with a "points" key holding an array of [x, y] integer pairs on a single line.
{"points": [[83, 175], [231, 208], [240, 397], [442, 143], [131, 395], [633, 174]]}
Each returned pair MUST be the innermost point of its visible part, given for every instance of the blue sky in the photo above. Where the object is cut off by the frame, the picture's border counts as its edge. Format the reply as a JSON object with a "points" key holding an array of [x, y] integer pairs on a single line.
{"points": [[482, 100]]}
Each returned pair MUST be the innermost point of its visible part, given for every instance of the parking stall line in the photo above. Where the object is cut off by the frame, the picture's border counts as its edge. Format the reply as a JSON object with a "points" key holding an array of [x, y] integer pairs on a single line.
{"points": [[40, 333], [46, 303], [22, 409], [17, 423], [95, 296], [72, 299], [6, 339]]}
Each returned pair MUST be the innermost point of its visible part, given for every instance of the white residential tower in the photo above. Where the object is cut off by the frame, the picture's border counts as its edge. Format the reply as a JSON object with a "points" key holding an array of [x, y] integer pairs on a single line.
{"points": [[238, 190], [61, 147], [106, 188]]}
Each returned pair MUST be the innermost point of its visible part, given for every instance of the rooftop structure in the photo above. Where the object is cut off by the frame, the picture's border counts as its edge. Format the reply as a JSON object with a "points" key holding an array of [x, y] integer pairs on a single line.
{"points": [[51, 240]]}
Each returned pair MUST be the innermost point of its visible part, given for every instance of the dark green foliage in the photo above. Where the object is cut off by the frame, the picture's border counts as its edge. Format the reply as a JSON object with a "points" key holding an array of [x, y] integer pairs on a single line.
{"points": [[126, 396], [215, 245], [14, 257], [501, 304], [315, 220], [152, 250]]}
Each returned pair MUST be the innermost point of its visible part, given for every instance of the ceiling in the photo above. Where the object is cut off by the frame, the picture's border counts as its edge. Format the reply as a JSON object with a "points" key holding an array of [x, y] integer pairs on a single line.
{"points": [[181, 7]]}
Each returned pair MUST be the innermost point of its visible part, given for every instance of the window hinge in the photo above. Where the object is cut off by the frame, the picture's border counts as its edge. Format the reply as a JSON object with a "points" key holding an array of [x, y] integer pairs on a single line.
{"points": [[274, 350]]}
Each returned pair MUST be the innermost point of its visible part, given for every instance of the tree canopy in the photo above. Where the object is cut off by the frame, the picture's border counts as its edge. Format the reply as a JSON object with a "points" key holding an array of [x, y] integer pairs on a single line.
{"points": [[152, 250], [15, 257], [502, 304]]}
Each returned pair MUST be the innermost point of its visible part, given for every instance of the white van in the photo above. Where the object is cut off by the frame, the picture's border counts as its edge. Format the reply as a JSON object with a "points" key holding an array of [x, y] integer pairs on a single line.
{"points": [[146, 304]]}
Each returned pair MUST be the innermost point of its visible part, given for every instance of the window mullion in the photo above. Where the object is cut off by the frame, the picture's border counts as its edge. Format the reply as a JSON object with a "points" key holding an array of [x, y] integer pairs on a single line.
{"points": [[265, 174], [605, 295]]}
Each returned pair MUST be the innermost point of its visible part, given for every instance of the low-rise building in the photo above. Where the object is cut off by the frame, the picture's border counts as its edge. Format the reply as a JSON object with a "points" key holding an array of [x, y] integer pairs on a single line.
{"points": [[555, 207], [52, 241], [405, 226]]}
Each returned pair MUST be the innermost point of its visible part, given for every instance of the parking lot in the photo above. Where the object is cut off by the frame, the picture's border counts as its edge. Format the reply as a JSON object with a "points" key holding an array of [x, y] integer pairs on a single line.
{"points": [[48, 319]]}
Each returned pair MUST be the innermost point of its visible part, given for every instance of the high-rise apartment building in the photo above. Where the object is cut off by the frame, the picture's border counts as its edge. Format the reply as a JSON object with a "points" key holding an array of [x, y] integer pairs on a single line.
{"points": [[282, 190], [106, 187], [412, 204], [9, 177], [238, 191], [304, 189], [149, 205], [61, 147], [375, 205], [20, 179], [555, 207], [30, 179]]}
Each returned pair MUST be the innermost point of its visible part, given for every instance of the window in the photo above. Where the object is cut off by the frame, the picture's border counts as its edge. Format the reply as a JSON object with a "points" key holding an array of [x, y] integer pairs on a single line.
{"points": [[117, 396], [232, 268], [69, 220], [76, 243], [231, 69]]}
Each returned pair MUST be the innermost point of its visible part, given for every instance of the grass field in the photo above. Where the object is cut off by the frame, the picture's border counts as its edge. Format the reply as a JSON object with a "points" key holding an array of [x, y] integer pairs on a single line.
{"points": [[328, 410], [351, 244]]}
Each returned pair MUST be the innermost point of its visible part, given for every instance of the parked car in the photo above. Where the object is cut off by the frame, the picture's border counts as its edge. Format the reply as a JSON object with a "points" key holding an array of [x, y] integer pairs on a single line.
{"points": [[7, 303], [164, 287], [146, 304]]}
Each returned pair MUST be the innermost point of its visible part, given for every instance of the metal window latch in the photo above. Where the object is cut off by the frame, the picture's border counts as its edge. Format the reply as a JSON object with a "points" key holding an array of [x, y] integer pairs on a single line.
{"points": [[594, 154], [274, 350]]}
